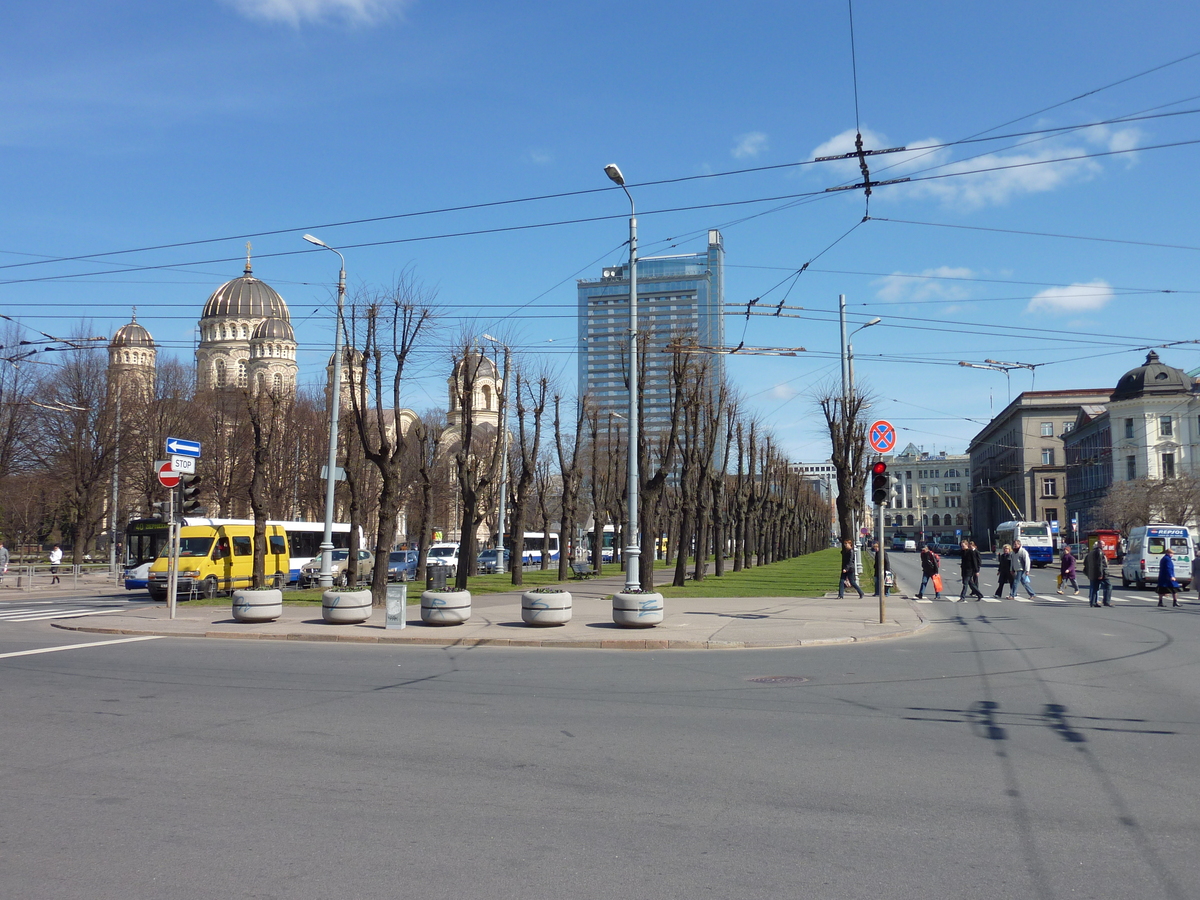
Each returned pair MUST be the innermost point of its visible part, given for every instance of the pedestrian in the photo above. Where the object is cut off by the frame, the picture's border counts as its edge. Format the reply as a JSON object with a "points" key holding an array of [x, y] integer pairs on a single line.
{"points": [[931, 567], [3, 560], [849, 576], [1166, 578], [1095, 567], [1004, 572], [1066, 571], [55, 561], [1021, 565], [880, 557], [970, 572], [1196, 572]]}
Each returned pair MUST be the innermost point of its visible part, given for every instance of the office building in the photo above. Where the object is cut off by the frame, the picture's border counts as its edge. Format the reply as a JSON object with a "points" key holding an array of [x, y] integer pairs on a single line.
{"points": [[680, 298]]}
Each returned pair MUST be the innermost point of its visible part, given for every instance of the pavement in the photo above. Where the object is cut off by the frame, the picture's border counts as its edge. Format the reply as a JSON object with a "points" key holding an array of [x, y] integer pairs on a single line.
{"points": [[689, 623]]}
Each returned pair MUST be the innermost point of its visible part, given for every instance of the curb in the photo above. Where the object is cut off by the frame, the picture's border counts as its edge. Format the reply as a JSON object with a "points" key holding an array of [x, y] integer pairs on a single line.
{"points": [[449, 641]]}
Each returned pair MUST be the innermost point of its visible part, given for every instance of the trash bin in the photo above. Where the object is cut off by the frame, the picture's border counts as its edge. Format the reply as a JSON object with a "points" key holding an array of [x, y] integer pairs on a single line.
{"points": [[397, 606], [435, 578]]}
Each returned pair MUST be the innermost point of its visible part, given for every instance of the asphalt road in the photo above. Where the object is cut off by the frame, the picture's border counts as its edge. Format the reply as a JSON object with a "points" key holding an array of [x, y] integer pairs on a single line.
{"points": [[1019, 750]]}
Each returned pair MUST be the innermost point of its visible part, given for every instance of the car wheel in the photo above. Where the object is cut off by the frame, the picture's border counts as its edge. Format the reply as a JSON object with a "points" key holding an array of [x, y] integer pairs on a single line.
{"points": [[1124, 581], [209, 587]]}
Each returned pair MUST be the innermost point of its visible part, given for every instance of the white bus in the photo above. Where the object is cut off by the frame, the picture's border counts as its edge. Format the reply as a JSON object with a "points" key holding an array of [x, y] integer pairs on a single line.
{"points": [[1034, 537], [146, 540], [532, 546], [607, 539]]}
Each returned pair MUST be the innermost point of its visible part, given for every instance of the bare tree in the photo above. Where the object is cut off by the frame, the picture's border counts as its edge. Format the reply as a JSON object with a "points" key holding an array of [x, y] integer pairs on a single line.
{"points": [[388, 324], [569, 446], [848, 437], [530, 400]]}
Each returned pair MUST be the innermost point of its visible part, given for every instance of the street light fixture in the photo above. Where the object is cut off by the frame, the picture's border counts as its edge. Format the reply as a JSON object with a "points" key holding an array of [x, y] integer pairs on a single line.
{"points": [[501, 567], [633, 548], [850, 347], [994, 368], [335, 403]]}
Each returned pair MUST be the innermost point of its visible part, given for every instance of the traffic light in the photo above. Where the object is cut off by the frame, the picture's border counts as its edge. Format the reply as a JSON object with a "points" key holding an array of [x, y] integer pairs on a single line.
{"points": [[189, 490], [881, 483], [162, 509]]}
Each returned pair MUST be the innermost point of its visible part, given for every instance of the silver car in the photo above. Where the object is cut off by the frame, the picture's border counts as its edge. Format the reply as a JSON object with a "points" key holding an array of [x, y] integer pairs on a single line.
{"points": [[310, 572]]}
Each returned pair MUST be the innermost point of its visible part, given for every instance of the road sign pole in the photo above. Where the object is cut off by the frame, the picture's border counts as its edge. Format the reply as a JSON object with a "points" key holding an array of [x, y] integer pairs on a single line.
{"points": [[173, 562]]}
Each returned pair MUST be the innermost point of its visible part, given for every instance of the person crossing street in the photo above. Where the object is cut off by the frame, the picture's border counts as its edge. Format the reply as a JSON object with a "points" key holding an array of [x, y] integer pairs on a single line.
{"points": [[1021, 566], [970, 566]]}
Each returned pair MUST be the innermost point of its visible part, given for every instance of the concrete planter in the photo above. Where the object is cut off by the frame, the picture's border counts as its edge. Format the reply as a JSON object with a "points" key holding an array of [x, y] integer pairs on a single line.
{"points": [[445, 607], [638, 610], [345, 607], [546, 607], [264, 605]]}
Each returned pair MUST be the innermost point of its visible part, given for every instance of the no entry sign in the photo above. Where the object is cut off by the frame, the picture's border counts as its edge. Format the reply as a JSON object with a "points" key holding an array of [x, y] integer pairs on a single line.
{"points": [[166, 477], [882, 436]]}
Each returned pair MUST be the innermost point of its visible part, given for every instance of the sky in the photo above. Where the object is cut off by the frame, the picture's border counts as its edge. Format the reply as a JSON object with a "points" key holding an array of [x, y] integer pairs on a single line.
{"points": [[1050, 218]]}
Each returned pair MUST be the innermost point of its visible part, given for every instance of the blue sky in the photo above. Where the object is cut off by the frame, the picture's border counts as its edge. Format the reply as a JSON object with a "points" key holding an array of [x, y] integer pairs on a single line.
{"points": [[126, 125]]}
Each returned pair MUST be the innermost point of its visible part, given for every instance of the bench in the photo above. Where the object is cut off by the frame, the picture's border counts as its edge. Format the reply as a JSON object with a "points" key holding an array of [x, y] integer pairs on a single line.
{"points": [[582, 570]]}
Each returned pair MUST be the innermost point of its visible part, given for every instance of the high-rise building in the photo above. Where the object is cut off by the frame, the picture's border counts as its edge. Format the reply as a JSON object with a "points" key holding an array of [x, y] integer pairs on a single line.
{"points": [[680, 298]]}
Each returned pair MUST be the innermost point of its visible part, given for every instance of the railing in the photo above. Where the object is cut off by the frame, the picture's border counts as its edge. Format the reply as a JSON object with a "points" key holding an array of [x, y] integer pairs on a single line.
{"points": [[35, 577]]}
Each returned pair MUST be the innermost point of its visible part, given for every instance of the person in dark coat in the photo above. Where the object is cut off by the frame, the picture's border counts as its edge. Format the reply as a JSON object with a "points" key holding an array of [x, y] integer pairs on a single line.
{"points": [[929, 567], [1004, 572], [849, 576], [1095, 567], [970, 572], [1166, 578], [1066, 571]]}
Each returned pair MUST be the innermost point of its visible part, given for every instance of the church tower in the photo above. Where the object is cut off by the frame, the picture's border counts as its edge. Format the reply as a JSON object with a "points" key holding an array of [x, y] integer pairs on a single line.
{"points": [[132, 357]]}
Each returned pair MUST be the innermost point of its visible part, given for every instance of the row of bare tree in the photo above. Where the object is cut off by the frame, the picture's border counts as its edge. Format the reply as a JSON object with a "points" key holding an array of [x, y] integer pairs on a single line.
{"points": [[77, 453]]}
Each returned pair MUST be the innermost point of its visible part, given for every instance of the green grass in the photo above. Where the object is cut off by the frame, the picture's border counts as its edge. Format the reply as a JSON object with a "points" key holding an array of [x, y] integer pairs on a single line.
{"points": [[805, 576]]}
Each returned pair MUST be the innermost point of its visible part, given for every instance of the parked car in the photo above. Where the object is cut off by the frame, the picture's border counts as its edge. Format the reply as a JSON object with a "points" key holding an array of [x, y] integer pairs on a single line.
{"points": [[488, 558], [402, 565], [910, 546], [310, 572], [444, 554]]}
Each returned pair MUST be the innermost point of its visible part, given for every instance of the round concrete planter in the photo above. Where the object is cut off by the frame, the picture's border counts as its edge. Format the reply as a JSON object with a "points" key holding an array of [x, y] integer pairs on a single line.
{"points": [[637, 610], [346, 607], [546, 607], [264, 605], [445, 607]]}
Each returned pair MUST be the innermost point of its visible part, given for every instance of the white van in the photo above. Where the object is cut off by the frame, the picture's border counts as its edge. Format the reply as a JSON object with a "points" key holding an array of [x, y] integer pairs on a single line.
{"points": [[1144, 551], [444, 554]]}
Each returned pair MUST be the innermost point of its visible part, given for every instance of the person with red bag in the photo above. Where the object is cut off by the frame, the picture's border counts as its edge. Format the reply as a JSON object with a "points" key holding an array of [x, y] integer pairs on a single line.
{"points": [[931, 566]]}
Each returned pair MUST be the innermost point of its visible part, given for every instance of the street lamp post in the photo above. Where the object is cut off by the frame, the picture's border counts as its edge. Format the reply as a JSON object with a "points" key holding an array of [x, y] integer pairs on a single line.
{"points": [[847, 355], [500, 564], [335, 402], [994, 368], [633, 548]]}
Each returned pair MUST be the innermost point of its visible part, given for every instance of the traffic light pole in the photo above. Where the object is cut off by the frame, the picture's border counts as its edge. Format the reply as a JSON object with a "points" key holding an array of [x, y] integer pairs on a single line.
{"points": [[881, 566]]}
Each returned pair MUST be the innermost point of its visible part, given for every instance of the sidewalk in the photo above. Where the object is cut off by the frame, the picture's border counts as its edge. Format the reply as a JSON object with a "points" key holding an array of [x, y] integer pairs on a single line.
{"points": [[689, 624]]}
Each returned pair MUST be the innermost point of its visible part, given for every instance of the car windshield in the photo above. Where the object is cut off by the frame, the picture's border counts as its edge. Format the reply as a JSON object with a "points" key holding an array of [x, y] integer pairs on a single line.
{"points": [[337, 555], [399, 556], [194, 546], [442, 551]]}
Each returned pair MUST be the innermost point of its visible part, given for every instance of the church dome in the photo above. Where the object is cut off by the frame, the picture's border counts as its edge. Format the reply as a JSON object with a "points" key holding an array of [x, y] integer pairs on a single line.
{"points": [[482, 367], [246, 297], [132, 335], [1151, 378], [273, 329]]}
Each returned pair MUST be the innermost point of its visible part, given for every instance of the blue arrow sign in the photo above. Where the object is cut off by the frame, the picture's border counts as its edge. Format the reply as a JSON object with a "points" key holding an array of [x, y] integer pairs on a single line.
{"points": [[179, 447]]}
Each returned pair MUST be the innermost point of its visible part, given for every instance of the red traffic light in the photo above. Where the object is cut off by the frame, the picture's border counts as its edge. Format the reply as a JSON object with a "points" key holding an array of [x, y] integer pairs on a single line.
{"points": [[879, 468]]}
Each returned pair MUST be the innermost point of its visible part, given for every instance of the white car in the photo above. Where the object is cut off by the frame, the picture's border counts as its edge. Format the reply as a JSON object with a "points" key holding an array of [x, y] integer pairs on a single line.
{"points": [[445, 554], [910, 546]]}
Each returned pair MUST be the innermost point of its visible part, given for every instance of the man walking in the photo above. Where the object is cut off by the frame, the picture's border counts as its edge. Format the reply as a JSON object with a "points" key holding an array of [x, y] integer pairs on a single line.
{"points": [[1021, 565], [970, 572], [849, 574], [1095, 567], [56, 556]]}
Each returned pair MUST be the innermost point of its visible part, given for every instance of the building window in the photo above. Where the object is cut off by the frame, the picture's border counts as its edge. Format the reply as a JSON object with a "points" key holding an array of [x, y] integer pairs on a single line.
{"points": [[1129, 428], [910, 520], [1051, 514], [937, 521], [219, 373], [1049, 487], [1047, 456], [1165, 428], [1168, 465], [242, 373], [1047, 429], [1130, 465], [1068, 426]]}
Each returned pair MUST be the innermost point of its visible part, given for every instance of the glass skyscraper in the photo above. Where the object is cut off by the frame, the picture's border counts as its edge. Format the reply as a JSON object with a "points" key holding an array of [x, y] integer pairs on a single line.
{"points": [[680, 298]]}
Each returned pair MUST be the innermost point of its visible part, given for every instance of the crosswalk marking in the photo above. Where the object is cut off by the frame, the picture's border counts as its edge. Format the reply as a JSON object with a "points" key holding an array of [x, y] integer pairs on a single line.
{"points": [[34, 615], [129, 640]]}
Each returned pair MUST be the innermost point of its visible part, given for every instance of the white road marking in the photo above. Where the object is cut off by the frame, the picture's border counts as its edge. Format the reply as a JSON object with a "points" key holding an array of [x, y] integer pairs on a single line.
{"points": [[1022, 599], [991, 599], [130, 640], [34, 615]]}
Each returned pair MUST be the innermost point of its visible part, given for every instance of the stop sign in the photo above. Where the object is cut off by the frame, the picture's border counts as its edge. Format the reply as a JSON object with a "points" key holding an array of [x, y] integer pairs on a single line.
{"points": [[166, 477]]}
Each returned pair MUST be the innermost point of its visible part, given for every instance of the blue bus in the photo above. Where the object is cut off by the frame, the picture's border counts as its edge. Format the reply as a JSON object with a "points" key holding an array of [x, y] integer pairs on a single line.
{"points": [[1034, 537]]}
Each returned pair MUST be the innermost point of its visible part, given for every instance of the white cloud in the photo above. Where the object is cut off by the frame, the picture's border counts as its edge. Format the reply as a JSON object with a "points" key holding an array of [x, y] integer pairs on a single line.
{"points": [[1073, 298], [294, 12], [540, 157], [783, 391], [931, 284], [750, 145]]}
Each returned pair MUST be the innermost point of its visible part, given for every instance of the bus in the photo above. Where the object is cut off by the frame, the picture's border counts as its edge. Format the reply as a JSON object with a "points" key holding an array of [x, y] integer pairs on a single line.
{"points": [[146, 540], [607, 539], [532, 546], [1034, 537]]}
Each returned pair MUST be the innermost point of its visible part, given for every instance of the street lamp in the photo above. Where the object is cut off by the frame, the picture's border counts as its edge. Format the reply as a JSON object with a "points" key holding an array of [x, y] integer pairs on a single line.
{"points": [[850, 348], [335, 402], [500, 566], [633, 549], [995, 368]]}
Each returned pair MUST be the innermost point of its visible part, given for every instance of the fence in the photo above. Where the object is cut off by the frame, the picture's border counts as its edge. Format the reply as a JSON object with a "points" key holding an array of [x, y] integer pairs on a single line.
{"points": [[35, 577]]}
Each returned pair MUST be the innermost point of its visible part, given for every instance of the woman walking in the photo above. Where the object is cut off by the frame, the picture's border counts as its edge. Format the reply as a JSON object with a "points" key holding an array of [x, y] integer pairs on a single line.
{"points": [[849, 576], [1004, 572], [1166, 578], [1066, 570]]}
